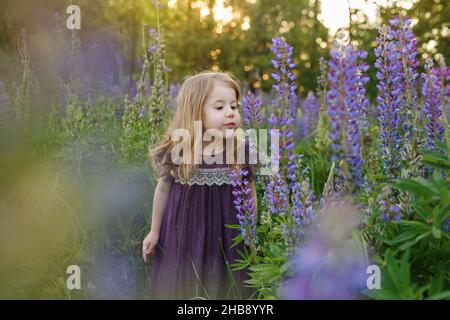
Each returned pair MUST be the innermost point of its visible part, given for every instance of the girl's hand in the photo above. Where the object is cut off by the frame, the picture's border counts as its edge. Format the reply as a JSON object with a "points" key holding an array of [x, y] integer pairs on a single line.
{"points": [[149, 244]]}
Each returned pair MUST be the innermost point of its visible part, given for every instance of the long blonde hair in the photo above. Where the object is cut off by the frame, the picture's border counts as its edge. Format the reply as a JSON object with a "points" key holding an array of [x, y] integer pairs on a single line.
{"points": [[189, 108]]}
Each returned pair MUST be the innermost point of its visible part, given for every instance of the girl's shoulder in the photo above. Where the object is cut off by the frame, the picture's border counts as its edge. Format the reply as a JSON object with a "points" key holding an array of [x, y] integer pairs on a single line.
{"points": [[165, 166]]}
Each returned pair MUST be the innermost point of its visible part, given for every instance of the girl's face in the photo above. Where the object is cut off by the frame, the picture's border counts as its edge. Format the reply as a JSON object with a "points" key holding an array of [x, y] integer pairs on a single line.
{"points": [[221, 109]]}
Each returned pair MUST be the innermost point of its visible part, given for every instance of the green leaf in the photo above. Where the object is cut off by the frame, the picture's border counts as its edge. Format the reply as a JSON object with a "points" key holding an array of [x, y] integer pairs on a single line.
{"points": [[238, 239], [232, 226], [440, 296], [415, 224], [414, 186], [404, 236], [437, 233], [410, 243]]}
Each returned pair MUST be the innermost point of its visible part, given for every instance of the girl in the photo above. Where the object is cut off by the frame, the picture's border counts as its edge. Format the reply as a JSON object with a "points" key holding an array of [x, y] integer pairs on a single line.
{"points": [[192, 203]]}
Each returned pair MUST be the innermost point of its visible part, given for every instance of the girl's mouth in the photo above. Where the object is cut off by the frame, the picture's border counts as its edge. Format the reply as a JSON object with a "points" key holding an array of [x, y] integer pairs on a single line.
{"points": [[230, 125]]}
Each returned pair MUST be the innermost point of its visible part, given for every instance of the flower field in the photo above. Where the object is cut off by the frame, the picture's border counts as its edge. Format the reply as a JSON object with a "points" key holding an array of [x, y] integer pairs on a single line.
{"points": [[364, 182]]}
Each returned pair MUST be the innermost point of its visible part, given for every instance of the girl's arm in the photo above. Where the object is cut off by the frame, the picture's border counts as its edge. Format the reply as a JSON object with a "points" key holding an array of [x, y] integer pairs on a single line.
{"points": [[160, 197], [162, 191]]}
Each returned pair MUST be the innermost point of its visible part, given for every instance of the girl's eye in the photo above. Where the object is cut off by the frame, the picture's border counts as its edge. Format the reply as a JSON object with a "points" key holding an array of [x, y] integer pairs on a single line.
{"points": [[234, 107], [219, 107]]}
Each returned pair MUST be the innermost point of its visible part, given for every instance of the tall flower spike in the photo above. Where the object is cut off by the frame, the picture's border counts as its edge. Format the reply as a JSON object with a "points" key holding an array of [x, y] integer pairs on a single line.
{"points": [[355, 101], [431, 91], [311, 108], [245, 206], [283, 64], [406, 45], [277, 194], [389, 87], [335, 103]]}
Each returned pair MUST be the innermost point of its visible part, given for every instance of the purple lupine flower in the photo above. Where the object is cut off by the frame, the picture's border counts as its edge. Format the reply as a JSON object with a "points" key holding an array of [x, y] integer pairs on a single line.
{"points": [[311, 108], [283, 64], [284, 85], [389, 210], [347, 104], [302, 201], [153, 48], [153, 34], [431, 90], [389, 101], [336, 103], [245, 206], [173, 93], [277, 194], [132, 87], [447, 225], [360, 90], [443, 76], [406, 44], [251, 106], [354, 100], [143, 112], [329, 264]]}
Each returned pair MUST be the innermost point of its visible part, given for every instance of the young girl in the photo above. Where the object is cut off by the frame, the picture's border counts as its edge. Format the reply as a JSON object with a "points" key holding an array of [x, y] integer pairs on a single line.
{"points": [[192, 203]]}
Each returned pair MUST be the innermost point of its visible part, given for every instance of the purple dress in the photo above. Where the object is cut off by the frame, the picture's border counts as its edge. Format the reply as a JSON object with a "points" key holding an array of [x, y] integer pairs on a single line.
{"points": [[194, 245]]}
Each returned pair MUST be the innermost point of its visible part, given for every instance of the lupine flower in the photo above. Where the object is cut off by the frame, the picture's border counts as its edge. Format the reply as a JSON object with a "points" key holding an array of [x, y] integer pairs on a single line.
{"points": [[329, 264], [302, 201], [277, 194], [390, 78], [355, 104], [153, 33], [284, 84], [251, 106], [443, 76], [283, 64], [173, 93], [143, 112], [245, 206], [447, 225], [132, 87], [311, 108], [153, 48], [390, 210], [407, 46], [431, 90], [346, 103], [335, 103]]}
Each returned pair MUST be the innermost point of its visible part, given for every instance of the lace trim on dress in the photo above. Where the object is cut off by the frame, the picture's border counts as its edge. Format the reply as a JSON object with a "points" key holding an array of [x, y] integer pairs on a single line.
{"points": [[208, 176]]}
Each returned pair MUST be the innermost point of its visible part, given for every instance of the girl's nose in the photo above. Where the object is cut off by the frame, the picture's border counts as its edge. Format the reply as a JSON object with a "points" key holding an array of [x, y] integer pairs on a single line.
{"points": [[230, 113]]}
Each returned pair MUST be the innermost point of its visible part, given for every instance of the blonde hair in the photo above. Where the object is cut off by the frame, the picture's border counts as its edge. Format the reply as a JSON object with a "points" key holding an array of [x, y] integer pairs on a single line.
{"points": [[189, 108]]}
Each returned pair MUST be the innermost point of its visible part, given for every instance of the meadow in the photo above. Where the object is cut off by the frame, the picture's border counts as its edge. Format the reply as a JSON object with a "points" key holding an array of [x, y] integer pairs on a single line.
{"points": [[362, 182]]}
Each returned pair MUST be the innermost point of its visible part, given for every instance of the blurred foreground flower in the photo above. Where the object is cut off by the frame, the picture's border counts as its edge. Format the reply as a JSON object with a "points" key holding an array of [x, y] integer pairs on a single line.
{"points": [[330, 264]]}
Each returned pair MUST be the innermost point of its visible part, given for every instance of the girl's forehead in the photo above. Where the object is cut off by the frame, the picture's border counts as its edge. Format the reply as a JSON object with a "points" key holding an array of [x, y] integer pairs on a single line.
{"points": [[221, 92]]}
